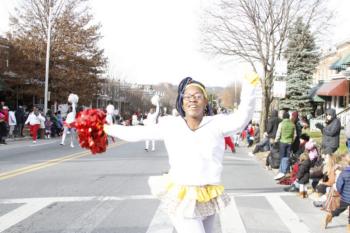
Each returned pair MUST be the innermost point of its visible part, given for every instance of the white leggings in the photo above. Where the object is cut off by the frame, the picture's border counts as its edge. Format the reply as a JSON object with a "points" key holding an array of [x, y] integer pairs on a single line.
{"points": [[65, 130], [193, 225]]}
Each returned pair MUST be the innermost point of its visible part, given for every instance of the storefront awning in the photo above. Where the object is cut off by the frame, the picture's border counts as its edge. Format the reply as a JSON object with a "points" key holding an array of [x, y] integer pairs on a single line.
{"points": [[336, 87], [312, 94], [341, 63], [338, 65]]}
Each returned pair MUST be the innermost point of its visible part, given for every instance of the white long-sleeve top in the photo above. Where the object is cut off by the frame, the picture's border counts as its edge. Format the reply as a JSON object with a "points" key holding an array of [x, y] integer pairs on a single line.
{"points": [[195, 157], [152, 117], [34, 120], [71, 116], [12, 118]]}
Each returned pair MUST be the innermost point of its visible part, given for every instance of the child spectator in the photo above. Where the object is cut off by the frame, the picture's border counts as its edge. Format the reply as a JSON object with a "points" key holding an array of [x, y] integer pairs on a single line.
{"points": [[48, 126], [343, 188], [303, 174]]}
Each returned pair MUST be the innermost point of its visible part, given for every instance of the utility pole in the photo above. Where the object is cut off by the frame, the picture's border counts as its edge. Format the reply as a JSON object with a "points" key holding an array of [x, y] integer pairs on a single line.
{"points": [[47, 60]]}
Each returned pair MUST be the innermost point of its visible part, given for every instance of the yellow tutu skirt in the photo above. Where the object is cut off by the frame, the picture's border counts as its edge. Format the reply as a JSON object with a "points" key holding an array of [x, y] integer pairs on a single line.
{"points": [[188, 201]]}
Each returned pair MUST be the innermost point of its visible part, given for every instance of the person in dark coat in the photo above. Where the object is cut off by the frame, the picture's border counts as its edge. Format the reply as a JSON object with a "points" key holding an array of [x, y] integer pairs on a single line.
{"points": [[298, 129], [343, 188], [303, 174], [20, 119], [272, 125], [330, 132]]}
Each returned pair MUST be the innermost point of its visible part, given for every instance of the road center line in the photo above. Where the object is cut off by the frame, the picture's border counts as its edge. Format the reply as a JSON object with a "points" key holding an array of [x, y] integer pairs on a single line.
{"points": [[49, 163]]}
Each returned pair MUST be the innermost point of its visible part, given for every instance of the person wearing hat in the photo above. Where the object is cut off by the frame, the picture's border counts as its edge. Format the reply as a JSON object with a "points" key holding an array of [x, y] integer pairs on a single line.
{"points": [[192, 191]]}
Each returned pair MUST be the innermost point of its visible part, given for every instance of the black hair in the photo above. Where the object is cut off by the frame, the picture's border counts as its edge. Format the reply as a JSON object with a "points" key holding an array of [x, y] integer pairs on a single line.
{"points": [[180, 91], [285, 115], [305, 137]]}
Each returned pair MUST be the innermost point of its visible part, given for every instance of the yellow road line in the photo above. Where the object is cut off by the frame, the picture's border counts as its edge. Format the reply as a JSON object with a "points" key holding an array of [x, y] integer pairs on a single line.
{"points": [[49, 163]]}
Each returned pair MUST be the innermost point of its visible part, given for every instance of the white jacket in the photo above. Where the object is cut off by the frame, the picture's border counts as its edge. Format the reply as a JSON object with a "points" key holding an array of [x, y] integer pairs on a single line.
{"points": [[12, 118], [152, 117], [195, 157], [34, 120]]}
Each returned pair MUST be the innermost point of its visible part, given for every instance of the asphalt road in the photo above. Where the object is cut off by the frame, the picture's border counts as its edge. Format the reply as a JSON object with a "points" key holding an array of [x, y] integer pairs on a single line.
{"points": [[48, 188]]}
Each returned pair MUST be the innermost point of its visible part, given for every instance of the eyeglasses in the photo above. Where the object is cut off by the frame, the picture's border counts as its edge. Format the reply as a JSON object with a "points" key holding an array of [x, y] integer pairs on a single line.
{"points": [[197, 96]]}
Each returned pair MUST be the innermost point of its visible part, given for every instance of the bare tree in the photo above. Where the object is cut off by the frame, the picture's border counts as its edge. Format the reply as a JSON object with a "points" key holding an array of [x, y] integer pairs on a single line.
{"points": [[255, 31]]}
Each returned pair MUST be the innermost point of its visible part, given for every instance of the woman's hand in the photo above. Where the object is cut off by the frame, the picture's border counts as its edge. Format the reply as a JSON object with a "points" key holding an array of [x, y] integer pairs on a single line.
{"points": [[252, 78]]}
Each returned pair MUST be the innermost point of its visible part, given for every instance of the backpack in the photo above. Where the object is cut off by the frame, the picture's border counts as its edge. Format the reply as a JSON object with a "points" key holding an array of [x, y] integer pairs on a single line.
{"points": [[273, 159]]}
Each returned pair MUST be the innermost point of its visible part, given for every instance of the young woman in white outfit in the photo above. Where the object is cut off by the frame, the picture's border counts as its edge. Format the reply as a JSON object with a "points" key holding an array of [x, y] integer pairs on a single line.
{"points": [[191, 192], [152, 120], [69, 123]]}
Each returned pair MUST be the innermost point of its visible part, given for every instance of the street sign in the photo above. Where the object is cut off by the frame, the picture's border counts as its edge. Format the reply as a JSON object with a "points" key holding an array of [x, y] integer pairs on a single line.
{"points": [[280, 68], [279, 89]]}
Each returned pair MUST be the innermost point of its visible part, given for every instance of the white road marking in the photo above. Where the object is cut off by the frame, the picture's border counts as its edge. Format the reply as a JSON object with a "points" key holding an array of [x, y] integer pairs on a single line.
{"points": [[287, 215], [231, 221], [21, 213], [160, 223], [122, 198]]}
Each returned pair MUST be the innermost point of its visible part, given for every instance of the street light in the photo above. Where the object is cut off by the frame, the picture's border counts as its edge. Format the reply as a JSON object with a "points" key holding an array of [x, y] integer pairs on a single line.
{"points": [[47, 60]]}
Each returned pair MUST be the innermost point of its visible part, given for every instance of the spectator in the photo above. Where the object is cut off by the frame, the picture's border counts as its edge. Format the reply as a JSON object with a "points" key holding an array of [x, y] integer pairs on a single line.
{"points": [[256, 133], [330, 133], [285, 136], [2, 127], [250, 134], [303, 174], [12, 123], [262, 146], [48, 127], [34, 120], [343, 188], [298, 129], [20, 119], [272, 125], [347, 134]]}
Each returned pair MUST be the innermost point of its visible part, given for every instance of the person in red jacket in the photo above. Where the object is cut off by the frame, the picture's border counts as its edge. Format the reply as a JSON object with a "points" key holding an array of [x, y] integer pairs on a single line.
{"points": [[229, 143]]}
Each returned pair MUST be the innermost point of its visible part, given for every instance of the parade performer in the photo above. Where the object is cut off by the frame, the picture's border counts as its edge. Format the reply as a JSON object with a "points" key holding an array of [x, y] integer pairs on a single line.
{"points": [[110, 117], [152, 120], [192, 192], [69, 123]]}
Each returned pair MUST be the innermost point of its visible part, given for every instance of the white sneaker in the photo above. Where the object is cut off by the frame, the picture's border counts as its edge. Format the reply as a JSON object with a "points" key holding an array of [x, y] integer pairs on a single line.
{"points": [[279, 176], [153, 149], [34, 142], [72, 145], [251, 154]]}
